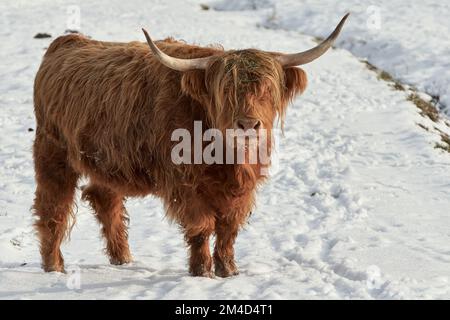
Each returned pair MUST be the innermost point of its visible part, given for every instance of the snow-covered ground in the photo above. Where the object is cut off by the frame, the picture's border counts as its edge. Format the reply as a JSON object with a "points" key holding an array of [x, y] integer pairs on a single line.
{"points": [[358, 205]]}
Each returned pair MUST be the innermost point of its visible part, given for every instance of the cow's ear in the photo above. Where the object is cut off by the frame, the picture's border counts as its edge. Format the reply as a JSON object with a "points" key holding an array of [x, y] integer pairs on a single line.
{"points": [[193, 85], [295, 82]]}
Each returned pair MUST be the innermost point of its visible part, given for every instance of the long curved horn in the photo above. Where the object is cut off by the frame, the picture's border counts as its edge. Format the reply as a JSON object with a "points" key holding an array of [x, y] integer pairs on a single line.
{"points": [[296, 59], [176, 63]]}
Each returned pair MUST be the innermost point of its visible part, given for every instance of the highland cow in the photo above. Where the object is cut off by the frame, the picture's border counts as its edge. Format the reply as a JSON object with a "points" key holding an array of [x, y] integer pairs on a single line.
{"points": [[106, 111]]}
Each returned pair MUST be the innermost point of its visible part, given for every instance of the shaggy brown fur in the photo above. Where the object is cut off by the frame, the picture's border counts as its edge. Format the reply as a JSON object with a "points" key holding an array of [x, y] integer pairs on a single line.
{"points": [[107, 111]]}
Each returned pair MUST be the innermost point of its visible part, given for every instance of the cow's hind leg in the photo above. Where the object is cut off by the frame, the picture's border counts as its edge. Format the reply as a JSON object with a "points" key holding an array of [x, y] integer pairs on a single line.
{"points": [[111, 214], [56, 183]]}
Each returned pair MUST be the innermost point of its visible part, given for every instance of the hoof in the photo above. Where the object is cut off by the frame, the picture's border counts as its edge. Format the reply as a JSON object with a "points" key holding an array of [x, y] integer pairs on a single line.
{"points": [[222, 273], [53, 263], [201, 271], [54, 268], [206, 274], [120, 261], [225, 270]]}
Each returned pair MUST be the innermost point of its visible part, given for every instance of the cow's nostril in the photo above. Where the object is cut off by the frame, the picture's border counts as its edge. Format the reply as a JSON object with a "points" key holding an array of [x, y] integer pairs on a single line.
{"points": [[247, 124]]}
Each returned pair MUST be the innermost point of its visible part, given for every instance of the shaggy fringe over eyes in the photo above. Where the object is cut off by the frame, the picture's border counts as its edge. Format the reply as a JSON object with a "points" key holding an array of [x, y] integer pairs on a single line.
{"points": [[237, 74]]}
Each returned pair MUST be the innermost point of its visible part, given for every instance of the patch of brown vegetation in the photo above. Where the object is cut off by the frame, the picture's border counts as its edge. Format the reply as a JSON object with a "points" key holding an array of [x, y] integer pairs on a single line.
{"points": [[445, 141], [423, 127], [385, 76], [427, 108], [445, 144]]}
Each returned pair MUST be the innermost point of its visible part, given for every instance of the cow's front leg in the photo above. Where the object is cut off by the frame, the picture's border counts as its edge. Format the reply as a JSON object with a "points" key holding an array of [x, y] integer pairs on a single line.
{"points": [[200, 262], [198, 223], [226, 233]]}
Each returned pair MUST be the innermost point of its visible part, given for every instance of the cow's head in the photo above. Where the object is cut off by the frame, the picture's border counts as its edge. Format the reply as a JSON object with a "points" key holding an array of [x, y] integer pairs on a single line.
{"points": [[245, 89]]}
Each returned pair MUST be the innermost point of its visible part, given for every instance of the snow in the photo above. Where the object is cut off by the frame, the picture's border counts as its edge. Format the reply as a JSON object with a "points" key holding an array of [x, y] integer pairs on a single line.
{"points": [[356, 208]]}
